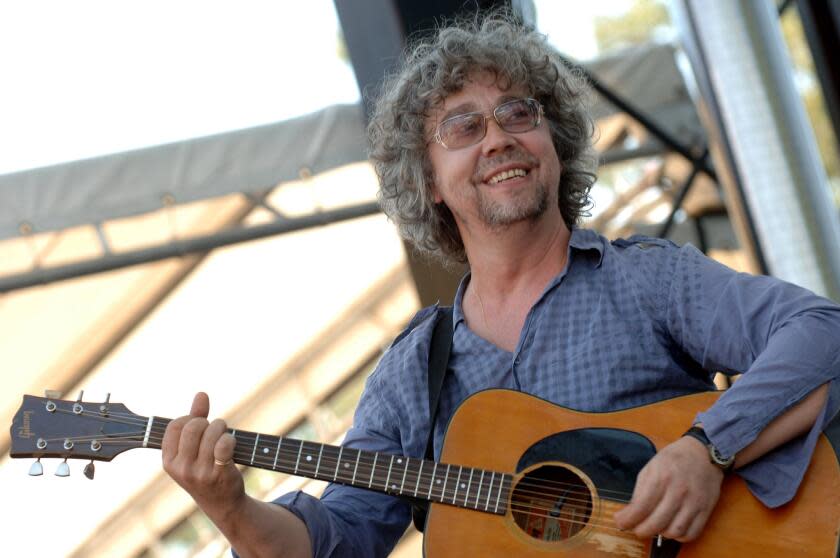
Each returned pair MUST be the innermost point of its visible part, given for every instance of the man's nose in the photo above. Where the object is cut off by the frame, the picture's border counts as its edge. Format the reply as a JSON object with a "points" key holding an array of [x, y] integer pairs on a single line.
{"points": [[495, 138]]}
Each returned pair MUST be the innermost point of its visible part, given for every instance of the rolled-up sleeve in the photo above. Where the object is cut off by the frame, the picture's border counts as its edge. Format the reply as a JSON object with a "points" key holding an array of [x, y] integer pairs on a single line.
{"points": [[783, 338]]}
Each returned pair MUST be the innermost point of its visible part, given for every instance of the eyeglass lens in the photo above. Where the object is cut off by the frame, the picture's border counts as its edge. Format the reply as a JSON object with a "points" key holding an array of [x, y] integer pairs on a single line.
{"points": [[464, 130]]}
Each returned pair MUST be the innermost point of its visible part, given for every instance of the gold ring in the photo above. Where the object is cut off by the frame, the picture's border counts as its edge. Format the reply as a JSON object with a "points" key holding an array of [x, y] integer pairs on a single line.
{"points": [[222, 463]]}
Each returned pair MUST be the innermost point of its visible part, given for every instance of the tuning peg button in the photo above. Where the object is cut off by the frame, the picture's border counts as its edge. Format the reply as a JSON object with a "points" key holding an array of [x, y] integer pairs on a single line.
{"points": [[90, 470], [63, 469], [36, 470]]}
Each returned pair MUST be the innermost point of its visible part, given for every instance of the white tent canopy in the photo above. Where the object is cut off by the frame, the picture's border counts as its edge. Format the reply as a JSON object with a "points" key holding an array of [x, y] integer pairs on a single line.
{"points": [[124, 184]]}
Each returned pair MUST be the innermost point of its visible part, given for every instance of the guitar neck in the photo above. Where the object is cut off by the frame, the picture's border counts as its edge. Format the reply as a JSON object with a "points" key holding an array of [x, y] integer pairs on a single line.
{"points": [[421, 479]]}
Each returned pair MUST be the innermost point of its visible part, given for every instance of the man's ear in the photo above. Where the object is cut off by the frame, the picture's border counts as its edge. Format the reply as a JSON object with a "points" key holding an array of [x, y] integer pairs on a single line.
{"points": [[435, 193]]}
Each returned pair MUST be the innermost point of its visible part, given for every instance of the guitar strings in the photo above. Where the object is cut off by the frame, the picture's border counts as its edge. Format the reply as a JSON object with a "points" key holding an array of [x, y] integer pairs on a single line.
{"points": [[245, 453], [516, 505], [249, 439]]}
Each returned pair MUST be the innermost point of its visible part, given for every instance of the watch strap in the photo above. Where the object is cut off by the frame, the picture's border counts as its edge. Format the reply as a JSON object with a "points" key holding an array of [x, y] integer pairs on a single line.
{"points": [[715, 457]]}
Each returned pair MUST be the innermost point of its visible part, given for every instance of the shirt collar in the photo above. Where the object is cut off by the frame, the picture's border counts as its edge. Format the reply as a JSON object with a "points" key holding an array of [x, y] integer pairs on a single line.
{"points": [[587, 239]]}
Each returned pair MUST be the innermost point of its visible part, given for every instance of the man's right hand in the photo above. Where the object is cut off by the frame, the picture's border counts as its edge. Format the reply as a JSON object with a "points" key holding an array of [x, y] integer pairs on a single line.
{"points": [[198, 455], [192, 452]]}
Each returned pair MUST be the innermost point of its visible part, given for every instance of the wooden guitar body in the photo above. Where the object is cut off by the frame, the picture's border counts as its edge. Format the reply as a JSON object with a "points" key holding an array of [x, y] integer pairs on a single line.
{"points": [[511, 432]]}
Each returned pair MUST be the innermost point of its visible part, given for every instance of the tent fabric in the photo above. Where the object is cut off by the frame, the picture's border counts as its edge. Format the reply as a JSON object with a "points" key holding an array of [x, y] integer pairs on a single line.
{"points": [[135, 182], [248, 161]]}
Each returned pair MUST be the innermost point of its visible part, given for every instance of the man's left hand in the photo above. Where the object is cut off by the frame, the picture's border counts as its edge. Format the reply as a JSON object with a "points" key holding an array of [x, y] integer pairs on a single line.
{"points": [[675, 493]]}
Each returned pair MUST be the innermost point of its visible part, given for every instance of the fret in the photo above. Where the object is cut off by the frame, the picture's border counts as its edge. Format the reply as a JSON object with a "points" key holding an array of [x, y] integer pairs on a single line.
{"points": [[356, 468], [480, 482], [489, 492], [373, 469], [338, 463], [499, 496], [318, 464], [254, 451], [420, 472], [432, 482], [300, 451], [457, 484], [307, 461], [443, 490], [277, 453], [388, 478], [469, 484], [405, 472]]}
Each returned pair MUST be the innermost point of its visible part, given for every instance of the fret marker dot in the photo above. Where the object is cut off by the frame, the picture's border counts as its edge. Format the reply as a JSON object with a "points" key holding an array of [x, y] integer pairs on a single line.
{"points": [[346, 465], [437, 481], [393, 487], [309, 458], [399, 461], [463, 485], [265, 450]]}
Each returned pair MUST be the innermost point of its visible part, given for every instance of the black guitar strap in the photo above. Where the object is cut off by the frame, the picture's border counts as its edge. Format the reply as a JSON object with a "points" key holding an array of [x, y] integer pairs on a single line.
{"points": [[438, 361]]}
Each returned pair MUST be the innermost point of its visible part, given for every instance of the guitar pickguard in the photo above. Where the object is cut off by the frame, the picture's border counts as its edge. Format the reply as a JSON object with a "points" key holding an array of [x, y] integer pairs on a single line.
{"points": [[610, 457]]}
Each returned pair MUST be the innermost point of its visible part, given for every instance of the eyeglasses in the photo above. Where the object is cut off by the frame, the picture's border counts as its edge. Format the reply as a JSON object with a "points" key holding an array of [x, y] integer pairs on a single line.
{"points": [[464, 130]]}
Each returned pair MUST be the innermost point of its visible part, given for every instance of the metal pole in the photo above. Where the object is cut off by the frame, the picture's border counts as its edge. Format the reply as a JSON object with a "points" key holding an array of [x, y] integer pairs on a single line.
{"points": [[183, 247]]}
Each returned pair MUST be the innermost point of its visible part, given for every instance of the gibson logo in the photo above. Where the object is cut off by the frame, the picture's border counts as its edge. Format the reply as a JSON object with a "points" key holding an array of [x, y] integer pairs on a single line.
{"points": [[24, 431]]}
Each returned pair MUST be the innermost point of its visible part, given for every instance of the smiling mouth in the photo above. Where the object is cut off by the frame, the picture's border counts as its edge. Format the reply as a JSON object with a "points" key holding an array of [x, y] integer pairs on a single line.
{"points": [[507, 175]]}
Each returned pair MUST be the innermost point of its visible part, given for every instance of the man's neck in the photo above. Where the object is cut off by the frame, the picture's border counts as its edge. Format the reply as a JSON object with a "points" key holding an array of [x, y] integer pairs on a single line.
{"points": [[523, 255]]}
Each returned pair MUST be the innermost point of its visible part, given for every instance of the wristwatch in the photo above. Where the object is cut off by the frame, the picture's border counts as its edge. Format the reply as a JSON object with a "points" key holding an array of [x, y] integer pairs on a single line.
{"points": [[724, 462]]}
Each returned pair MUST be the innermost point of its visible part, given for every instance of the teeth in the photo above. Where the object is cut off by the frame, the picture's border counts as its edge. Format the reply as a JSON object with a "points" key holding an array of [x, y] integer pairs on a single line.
{"points": [[506, 175]]}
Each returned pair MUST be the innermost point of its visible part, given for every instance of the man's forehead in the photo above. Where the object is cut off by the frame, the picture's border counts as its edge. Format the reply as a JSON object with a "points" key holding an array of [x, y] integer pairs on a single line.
{"points": [[477, 94]]}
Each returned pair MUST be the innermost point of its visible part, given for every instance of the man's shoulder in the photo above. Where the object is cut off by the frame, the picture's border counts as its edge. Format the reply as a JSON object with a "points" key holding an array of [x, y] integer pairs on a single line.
{"points": [[406, 358], [643, 242], [419, 329]]}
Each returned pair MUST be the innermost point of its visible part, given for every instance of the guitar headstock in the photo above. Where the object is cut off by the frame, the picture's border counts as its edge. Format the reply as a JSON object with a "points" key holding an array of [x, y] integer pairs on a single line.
{"points": [[51, 427]]}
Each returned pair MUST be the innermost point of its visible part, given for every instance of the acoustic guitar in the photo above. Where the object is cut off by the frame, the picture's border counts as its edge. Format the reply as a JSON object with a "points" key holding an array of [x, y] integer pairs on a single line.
{"points": [[518, 476]]}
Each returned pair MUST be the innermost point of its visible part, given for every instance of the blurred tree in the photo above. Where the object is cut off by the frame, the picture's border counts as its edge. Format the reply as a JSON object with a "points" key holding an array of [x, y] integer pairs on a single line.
{"points": [[809, 88], [635, 26], [341, 47]]}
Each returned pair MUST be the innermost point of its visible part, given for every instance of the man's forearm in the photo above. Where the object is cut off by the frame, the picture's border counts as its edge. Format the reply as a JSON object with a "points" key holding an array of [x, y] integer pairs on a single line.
{"points": [[792, 423], [261, 529]]}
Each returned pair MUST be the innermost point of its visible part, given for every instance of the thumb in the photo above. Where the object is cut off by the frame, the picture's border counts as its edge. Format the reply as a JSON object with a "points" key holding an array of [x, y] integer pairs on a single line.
{"points": [[200, 405]]}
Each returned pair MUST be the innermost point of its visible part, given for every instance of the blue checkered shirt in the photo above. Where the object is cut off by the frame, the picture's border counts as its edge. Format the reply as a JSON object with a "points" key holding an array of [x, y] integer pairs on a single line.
{"points": [[628, 322]]}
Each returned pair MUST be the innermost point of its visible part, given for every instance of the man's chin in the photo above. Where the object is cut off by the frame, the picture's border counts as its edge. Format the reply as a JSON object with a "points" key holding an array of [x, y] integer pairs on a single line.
{"points": [[498, 215]]}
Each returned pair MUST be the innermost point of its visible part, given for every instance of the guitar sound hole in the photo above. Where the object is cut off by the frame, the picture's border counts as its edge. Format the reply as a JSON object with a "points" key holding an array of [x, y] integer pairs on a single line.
{"points": [[551, 503]]}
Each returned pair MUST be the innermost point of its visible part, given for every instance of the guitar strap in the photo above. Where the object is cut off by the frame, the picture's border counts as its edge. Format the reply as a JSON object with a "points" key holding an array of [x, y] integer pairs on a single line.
{"points": [[438, 361]]}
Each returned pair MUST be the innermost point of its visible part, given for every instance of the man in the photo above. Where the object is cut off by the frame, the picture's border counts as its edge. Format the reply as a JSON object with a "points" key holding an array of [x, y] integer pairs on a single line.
{"points": [[482, 147]]}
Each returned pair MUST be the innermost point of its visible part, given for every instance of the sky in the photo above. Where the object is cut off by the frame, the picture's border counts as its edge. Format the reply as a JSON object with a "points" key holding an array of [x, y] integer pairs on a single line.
{"points": [[92, 77]]}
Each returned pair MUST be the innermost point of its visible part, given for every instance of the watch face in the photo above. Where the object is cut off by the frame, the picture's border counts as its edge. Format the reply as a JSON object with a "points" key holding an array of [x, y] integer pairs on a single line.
{"points": [[722, 461]]}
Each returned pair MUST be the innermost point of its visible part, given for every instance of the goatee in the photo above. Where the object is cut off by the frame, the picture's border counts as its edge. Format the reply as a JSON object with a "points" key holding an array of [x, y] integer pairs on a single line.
{"points": [[529, 206]]}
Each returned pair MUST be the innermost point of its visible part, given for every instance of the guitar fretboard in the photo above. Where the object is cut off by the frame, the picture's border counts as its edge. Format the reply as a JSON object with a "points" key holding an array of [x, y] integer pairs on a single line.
{"points": [[455, 485]]}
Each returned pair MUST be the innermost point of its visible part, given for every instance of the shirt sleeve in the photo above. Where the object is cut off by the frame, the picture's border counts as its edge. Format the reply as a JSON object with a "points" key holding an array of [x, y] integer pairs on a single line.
{"points": [[783, 338], [353, 522]]}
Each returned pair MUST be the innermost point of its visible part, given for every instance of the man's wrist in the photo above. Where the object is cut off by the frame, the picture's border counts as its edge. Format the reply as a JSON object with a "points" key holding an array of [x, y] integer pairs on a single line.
{"points": [[723, 462]]}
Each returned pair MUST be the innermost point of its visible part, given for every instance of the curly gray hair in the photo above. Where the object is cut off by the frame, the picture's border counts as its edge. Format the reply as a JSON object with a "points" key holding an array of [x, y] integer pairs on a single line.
{"points": [[438, 67]]}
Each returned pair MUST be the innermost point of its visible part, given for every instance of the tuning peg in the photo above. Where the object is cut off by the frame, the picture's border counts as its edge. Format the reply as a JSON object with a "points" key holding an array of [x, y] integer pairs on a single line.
{"points": [[52, 394], [63, 469], [36, 470], [90, 470], [81, 394], [104, 407]]}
